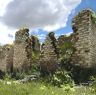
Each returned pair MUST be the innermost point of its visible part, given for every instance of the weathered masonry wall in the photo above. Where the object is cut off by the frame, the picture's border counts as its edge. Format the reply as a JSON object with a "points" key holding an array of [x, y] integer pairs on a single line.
{"points": [[93, 40], [49, 55], [3, 59], [22, 50], [84, 39], [19, 55], [6, 58], [9, 59]]}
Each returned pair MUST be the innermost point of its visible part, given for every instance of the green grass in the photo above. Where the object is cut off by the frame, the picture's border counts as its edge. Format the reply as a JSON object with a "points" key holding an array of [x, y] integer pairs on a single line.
{"points": [[37, 88]]}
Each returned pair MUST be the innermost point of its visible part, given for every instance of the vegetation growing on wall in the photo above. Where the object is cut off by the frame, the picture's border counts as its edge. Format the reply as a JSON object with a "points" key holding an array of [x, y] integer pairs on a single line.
{"points": [[93, 15]]}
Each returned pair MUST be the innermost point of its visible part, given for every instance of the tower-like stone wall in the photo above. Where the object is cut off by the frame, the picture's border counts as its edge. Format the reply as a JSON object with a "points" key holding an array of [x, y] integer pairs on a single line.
{"points": [[84, 40], [22, 50]]}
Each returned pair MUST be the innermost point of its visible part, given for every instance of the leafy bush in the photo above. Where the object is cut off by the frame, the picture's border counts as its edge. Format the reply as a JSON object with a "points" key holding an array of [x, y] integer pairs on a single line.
{"points": [[60, 78]]}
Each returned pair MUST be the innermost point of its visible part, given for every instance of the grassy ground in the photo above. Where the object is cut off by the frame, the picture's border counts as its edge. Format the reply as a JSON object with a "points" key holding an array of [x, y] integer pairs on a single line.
{"points": [[9, 88]]}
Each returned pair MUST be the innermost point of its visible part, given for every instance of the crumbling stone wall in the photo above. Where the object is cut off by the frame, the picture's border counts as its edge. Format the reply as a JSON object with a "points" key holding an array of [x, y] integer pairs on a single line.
{"points": [[49, 54], [35, 43], [6, 58], [9, 59], [2, 59], [19, 56], [22, 50], [84, 39]]}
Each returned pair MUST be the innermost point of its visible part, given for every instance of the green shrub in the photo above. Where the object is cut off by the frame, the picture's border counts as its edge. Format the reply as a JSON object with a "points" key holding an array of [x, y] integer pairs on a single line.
{"points": [[60, 78]]}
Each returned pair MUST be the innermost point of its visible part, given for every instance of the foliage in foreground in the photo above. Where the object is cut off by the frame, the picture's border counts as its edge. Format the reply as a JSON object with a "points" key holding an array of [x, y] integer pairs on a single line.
{"points": [[38, 88], [60, 78], [34, 88]]}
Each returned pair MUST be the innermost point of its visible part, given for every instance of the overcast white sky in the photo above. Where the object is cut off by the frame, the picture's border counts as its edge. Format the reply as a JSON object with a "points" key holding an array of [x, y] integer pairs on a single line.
{"points": [[46, 14]]}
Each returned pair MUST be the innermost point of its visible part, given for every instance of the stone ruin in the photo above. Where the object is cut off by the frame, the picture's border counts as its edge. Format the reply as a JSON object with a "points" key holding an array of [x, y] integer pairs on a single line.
{"points": [[84, 38], [22, 50], [19, 55], [49, 54]]}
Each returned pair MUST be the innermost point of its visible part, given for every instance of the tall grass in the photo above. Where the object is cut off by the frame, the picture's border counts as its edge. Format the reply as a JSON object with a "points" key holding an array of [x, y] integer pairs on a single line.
{"points": [[38, 88]]}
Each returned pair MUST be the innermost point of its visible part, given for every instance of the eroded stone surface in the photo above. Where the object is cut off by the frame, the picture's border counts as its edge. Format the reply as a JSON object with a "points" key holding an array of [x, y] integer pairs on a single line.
{"points": [[6, 58], [49, 54], [84, 39], [19, 55], [22, 50]]}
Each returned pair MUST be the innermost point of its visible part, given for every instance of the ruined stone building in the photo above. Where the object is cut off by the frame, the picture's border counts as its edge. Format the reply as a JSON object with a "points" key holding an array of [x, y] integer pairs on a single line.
{"points": [[19, 55], [84, 27]]}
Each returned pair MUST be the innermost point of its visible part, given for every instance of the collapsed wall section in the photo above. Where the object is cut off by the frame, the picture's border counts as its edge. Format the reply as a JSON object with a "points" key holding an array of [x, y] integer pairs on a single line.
{"points": [[49, 54]]}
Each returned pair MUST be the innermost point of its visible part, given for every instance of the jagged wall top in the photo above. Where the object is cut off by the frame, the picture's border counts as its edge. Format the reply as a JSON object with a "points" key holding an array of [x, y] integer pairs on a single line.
{"points": [[22, 35], [87, 12]]}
